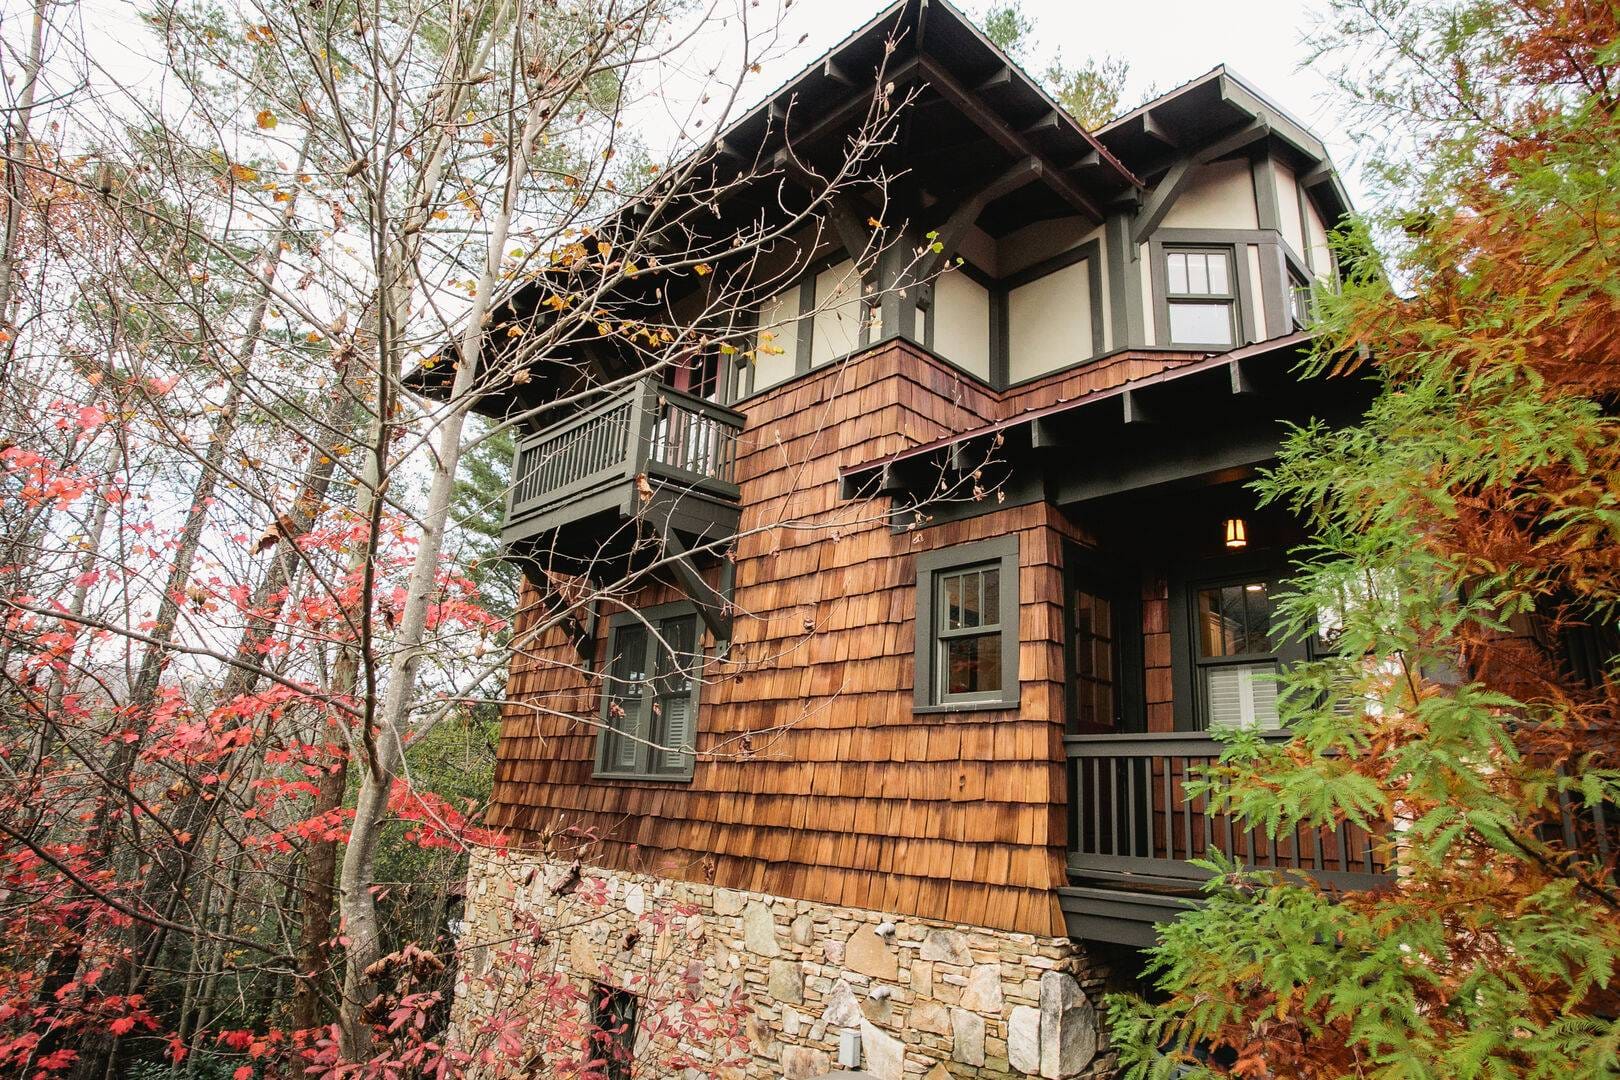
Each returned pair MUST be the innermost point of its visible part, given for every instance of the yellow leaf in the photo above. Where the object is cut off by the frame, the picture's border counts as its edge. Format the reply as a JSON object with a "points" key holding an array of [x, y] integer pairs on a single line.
{"points": [[701, 269], [243, 174], [266, 119]]}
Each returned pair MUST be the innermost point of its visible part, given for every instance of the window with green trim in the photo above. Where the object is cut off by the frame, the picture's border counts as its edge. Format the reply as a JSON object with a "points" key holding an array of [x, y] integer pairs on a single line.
{"points": [[967, 626], [650, 695], [1201, 296]]}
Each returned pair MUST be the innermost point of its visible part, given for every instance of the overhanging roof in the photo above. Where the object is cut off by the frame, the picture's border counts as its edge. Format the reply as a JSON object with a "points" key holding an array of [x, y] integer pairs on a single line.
{"points": [[1151, 136]]}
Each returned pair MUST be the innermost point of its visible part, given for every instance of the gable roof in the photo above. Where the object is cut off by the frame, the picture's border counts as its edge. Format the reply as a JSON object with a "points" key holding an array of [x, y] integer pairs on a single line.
{"points": [[1151, 136]]}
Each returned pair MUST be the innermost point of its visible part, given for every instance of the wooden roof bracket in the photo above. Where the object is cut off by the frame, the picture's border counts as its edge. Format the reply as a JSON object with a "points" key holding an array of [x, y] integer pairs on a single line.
{"points": [[1169, 189], [967, 212], [1012, 141], [1242, 383]]}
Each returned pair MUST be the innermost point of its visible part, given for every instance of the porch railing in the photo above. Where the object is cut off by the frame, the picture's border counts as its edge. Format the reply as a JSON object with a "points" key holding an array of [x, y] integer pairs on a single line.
{"points": [[1132, 819], [646, 429]]}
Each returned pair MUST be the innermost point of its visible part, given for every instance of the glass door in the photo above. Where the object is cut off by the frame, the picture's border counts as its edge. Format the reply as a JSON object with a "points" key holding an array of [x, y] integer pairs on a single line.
{"points": [[1102, 652]]}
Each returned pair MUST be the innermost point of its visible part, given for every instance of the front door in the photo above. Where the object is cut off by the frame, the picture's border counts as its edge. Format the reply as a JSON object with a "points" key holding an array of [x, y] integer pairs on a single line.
{"points": [[1102, 612]]}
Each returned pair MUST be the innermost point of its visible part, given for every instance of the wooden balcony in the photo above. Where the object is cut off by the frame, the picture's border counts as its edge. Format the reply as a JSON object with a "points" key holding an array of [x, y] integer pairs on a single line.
{"points": [[647, 455], [1133, 829]]}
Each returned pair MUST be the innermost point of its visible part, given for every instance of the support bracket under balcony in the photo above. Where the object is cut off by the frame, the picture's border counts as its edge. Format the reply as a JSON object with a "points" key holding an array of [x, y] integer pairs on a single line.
{"points": [[713, 605]]}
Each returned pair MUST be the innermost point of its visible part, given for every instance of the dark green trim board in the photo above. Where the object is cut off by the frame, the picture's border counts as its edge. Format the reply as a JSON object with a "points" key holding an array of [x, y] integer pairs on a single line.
{"points": [[1266, 209], [1304, 201], [1000, 338], [1001, 551], [1089, 253], [1124, 284], [806, 324], [1274, 289]]}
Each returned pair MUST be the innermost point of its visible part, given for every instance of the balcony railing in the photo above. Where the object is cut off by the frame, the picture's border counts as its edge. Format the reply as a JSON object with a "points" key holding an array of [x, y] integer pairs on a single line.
{"points": [[1132, 820], [596, 459]]}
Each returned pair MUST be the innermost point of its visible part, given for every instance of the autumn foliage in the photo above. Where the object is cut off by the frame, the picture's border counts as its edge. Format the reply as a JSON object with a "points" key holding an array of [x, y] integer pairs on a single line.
{"points": [[1468, 551]]}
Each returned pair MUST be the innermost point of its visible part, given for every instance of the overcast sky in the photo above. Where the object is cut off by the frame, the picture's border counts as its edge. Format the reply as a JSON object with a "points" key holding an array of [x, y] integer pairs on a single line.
{"points": [[1166, 42]]}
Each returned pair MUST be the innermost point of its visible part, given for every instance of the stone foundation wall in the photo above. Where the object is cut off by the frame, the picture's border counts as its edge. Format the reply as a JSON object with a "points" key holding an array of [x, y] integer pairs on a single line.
{"points": [[931, 1000]]}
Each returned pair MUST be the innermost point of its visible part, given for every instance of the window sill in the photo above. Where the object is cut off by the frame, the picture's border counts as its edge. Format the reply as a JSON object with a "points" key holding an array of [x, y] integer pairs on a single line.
{"points": [[655, 778], [966, 707]]}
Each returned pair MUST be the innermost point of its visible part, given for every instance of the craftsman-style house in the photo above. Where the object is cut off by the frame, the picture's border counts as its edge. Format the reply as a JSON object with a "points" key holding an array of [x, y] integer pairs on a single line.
{"points": [[947, 573]]}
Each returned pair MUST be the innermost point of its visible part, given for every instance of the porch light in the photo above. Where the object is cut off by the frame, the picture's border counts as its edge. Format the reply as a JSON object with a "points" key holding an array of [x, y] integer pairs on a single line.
{"points": [[1237, 533]]}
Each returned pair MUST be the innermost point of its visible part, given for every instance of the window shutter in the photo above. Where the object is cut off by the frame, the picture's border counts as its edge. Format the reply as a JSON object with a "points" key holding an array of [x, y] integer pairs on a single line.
{"points": [[627, 692], [678, 669], [677, 734], [1243, 696]]}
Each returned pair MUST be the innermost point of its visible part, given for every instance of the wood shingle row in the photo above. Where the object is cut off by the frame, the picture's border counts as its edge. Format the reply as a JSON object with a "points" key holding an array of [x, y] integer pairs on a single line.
{"points": [[815, 777]]}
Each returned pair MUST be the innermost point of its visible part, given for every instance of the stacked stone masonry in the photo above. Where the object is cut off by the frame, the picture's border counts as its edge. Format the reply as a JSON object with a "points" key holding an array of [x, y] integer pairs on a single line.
{"points": [[931, 1000]]}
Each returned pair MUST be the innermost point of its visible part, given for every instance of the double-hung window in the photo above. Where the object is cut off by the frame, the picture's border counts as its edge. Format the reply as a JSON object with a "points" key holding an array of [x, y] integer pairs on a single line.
{"points": [[1200, 296], [967, 626], [1235, 655], [650, 695]]}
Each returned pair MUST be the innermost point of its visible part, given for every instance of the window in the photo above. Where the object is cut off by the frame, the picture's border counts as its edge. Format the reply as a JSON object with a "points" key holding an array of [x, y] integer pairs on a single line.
{"points": [[1200, 296], [650, 694], [612, 1033], [1235, 655], [697, 373], [967, 626], [1102, 643], [1299, 292]]}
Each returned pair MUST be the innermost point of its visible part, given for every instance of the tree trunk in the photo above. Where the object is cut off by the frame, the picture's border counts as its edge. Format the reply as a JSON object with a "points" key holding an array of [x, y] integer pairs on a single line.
{"points": [[387, 749]]}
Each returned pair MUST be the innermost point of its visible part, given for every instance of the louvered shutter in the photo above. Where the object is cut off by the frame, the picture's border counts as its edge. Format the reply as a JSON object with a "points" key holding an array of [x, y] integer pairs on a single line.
{"points": [[675, 726], [1242, 696], [677, 734], [626, 693]]}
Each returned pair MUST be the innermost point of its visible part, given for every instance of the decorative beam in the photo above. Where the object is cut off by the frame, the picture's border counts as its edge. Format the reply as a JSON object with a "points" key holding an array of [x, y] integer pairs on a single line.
{"points": [[1002, 77], [851, 229], [1180, 175], [1048, 122], [1153, 128], [1239, 97], [1015, 143], [968, 210], [713, 607], [1317, 176], [1241, 382], [1045, 434], [840, 118], [831, 70], [1132, 410]]}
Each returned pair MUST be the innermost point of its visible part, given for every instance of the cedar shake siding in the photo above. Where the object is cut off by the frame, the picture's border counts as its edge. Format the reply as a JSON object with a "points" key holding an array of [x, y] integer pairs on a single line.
{"points": [[814, 776]]}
